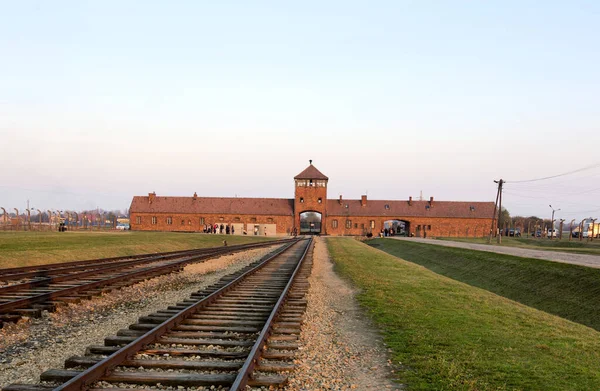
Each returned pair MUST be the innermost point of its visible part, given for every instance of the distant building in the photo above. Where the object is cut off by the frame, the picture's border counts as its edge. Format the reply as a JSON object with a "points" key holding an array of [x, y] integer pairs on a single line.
{"points": [[279, 216]]}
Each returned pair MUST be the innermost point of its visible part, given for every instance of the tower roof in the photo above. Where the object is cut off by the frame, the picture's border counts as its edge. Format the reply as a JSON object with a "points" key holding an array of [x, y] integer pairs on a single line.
{"points": [[311, 172]]}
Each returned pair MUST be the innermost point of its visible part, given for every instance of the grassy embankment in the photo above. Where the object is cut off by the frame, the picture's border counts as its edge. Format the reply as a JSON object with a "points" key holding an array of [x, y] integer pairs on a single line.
{"points": [[564, 245], [35, 248], [569, 291], [452, 336]]}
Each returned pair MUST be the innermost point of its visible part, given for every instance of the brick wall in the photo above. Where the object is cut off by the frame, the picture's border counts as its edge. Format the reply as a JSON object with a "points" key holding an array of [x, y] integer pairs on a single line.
{"points": [[192, 223], [455, 227], [311, 196]]}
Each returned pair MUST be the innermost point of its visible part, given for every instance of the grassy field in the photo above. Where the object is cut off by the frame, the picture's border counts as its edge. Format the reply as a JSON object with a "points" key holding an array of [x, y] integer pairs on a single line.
{"points": [[35, 248], [564, 245], [452, 336], [569, 291]]}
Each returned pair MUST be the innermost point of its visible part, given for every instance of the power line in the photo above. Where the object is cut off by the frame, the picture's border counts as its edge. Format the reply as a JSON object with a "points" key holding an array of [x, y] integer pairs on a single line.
{"points": [[556, 176]]}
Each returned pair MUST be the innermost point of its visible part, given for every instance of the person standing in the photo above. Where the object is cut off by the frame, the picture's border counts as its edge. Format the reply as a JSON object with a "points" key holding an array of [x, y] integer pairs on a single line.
{"points": [[227, 229], [222, 230], [232, 229]]}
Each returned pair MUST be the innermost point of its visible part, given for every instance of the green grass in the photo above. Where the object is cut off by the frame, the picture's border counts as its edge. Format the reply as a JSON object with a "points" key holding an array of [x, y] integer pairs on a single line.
{"points": [[569, 291], [452, 336], [35, 248], [564, 245]]}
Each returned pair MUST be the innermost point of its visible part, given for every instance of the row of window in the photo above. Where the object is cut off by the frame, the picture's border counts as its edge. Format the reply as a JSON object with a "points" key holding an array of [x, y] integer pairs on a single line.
{"points": [[320, 200], [169, 220], [311, 183], [334, 224]]}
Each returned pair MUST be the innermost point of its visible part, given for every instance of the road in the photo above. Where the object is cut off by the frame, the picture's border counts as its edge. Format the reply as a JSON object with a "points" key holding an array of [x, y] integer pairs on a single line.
{"points": [[555, 256]]}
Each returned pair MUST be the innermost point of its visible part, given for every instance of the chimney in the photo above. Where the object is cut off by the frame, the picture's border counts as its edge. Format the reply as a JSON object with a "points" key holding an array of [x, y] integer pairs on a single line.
{"points": [[430, 201], [340, 199], [410, 201], [363, 200], [151, 197], [195, 197]]}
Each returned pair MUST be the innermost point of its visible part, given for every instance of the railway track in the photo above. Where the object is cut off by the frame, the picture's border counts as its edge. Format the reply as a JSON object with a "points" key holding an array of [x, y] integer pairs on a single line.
{"points": [[241, 331], [28, 291]]}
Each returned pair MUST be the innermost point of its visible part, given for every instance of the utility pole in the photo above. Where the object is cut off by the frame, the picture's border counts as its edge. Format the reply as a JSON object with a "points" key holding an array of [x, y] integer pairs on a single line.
{"points": [[561, 229], [495, 208], [500, 183], [571, 230]]}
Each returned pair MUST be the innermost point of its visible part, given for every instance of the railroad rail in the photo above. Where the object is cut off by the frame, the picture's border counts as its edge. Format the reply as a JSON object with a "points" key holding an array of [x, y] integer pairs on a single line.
{"points": [[42, 288], [241, 331]]}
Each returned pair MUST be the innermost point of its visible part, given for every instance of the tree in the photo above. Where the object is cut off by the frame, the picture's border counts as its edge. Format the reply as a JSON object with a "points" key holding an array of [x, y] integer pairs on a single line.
{"points": [[504, 217]]}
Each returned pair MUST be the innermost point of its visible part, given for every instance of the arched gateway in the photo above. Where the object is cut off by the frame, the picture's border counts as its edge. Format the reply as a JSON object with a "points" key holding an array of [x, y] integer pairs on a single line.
{"points": [[310, 222]]}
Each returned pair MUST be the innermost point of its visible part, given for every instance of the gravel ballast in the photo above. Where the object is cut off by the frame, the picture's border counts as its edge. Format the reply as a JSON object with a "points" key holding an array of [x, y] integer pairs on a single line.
{"points": [[33, 346]]}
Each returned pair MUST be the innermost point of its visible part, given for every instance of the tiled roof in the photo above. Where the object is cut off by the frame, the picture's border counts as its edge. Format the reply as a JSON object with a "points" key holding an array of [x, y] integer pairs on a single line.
{"points": [[216, 205], [311, 172], [456, 209]]}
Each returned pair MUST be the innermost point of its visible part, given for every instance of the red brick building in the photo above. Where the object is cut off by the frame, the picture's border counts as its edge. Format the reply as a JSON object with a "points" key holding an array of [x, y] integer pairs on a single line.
{"points": [[311, 211]]}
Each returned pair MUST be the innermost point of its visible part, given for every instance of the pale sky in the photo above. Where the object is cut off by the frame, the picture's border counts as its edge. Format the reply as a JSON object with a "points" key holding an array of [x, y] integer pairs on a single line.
{"points": [[103, 100]]}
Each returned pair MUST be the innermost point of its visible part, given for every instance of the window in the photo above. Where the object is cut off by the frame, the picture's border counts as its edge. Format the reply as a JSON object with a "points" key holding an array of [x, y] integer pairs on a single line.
{"points": [[472, 208], [429, 227], [387, 207], [202, 222], [270, 220], [427, 207], [355, 225], [418, 227], [153, 220], [169, 220], [372, 223], [189, 222], [138, 220], [310, 183], [362, 225], [348, 223], [253, 219], [334, 223], [237, 219], [320, 200], [221, 218], [301, 200], [182, 222], [346, 205]]}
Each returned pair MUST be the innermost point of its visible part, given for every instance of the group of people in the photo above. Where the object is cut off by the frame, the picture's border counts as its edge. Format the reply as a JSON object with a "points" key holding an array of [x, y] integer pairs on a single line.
{"points": [[388, 232], [219, 229]]}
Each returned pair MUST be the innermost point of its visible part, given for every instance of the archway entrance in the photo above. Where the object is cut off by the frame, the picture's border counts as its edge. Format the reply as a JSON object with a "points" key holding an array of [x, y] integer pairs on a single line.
{"points": [[396, 227], [310, 223]]}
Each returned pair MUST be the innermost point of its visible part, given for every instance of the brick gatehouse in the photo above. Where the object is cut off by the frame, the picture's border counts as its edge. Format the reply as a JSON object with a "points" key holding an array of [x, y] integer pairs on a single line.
{"points": [[310, 211]]}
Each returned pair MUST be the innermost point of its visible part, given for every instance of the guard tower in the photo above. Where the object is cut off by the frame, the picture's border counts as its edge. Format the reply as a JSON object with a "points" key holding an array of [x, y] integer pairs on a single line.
{"points": [[310, 200]]}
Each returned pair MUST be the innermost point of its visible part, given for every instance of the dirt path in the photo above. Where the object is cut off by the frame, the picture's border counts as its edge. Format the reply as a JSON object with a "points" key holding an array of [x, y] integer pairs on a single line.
{"points": [[555, 256], [340, 349]]}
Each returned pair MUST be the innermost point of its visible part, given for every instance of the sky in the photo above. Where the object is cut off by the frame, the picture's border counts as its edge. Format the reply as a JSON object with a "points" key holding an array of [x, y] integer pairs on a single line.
{"points": [[104, 100]]}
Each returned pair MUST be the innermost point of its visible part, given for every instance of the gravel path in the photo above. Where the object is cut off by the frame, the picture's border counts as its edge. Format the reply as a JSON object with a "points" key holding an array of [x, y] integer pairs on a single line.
{"points": [[340, 349], [555, 256], [32, 346]]}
